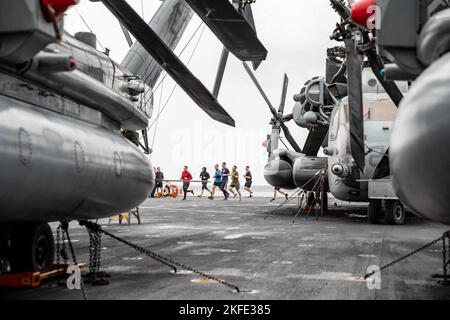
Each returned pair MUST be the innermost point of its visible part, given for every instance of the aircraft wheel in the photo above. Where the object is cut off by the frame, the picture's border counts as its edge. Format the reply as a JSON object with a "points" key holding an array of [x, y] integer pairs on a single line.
{"points": [[34, 248], [395, 212], [374, 211]]}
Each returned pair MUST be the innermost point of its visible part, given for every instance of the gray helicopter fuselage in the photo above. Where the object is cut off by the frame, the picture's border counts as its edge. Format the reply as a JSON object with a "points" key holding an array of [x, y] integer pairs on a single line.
{"points": [[63, 155], [419, 158], [348, 183], [62, 152], [290, 170], [419, 49]]}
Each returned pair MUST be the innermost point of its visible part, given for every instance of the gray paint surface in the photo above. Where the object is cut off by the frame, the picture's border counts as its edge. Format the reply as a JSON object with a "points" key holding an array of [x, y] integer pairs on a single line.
{"points": [[169, 22], [419, 156], [58, 168]]}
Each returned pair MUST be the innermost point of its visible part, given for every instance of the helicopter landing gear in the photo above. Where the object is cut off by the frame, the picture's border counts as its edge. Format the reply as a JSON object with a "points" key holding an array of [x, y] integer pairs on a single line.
{"points": [[28, 247], [396, 212], [386, 212]]}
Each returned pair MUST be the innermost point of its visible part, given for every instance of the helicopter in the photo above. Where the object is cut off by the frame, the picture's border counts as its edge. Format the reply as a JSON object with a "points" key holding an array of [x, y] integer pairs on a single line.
{"points": [[72, 119], [348, 113], [419, 52]]}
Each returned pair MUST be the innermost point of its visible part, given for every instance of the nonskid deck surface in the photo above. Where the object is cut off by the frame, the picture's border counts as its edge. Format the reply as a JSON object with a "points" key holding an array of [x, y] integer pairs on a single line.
{"points": [[272, 258]]}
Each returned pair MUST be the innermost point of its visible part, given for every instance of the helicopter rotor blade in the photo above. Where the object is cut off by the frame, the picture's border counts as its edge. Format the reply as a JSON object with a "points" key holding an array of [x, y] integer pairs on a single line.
{"points": [[260, 89], [276, 115], [168, 60], [283, 94], [231, 28], [247, 13], [220, 71], [290, 138], [127, 35], [355, 102], [315, 140]]}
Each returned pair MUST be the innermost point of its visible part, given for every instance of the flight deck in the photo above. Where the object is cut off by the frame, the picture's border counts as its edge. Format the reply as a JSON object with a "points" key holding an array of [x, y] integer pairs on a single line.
{"points": [[267, 254]]}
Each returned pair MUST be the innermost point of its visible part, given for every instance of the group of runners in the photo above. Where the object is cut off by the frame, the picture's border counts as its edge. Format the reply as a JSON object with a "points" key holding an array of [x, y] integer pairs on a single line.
{"points": [[221, 177], [220, 180]]}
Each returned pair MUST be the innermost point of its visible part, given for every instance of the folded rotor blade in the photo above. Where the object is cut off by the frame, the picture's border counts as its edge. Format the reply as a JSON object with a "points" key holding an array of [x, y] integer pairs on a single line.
{"points": [[315, 140], [168, 60], [220, 71], [260, 89], [283, 94], [290, 138], [127, 35], [355, 101], [231, 28], [256, 64], [247, 13]]}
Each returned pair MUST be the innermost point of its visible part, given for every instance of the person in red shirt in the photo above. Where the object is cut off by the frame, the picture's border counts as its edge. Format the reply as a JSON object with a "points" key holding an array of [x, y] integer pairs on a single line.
{"points": [[186, 177]]}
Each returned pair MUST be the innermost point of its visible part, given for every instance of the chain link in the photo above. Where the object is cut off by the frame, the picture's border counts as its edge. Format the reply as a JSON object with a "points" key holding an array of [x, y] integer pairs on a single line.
{"points": [[61, 251], [297, 192], [94, 276], [166, 261], [442, 238], [58, 244]]}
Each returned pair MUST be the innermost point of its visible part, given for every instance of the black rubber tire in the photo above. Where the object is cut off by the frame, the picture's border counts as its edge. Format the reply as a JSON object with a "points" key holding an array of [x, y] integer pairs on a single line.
{"points": [[395, 212], [34, 248], [374, 211]]}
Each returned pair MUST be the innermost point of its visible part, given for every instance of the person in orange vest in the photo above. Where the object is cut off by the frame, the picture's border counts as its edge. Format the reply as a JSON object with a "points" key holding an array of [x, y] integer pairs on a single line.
{"points": [[186, 177]]}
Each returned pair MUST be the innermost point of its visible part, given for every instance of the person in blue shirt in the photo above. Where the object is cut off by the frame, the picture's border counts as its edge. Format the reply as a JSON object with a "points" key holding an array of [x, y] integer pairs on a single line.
{"points": [[217, 180], [225, 173]]}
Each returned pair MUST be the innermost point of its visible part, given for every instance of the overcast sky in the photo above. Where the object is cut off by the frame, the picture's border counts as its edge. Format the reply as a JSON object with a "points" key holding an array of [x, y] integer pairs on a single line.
{"points": [[296, 34]]}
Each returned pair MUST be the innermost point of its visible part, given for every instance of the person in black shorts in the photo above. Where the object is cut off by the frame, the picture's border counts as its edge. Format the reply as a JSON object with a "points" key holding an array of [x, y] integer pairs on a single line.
{"points": [[248, 181], [159, 177], [204, 176]]}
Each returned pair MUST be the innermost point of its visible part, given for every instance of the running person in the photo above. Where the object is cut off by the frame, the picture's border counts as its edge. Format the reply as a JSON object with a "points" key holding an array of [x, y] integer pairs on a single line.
{"points": [[248, 181], [278, 189], [225, 173], [186, 177], [159, 177], [204, 176], [217, 180], [235, 183]]}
